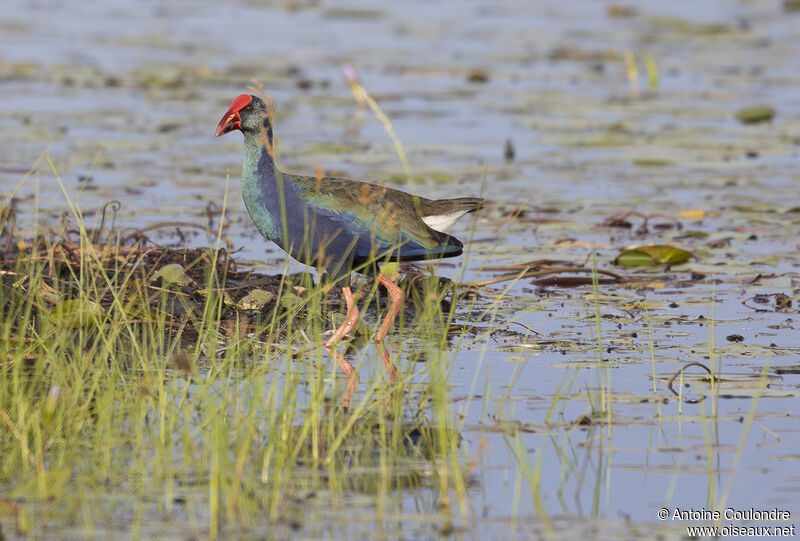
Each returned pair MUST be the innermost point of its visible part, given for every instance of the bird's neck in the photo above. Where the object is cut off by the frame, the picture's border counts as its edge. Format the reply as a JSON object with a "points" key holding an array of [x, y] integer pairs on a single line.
{"points": [[258, 157], [262, 184]]}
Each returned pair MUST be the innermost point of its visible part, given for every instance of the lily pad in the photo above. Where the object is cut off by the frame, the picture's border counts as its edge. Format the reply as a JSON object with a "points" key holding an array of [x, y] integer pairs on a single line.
{"points": [[652, 162], [646, 256], [77, 313], [697, 214], [289, 299], [754, 115], [255, 300], [693, 235], [173, 273]]}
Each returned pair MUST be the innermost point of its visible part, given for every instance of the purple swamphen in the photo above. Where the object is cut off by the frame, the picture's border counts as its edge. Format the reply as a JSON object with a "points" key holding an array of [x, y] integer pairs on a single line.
{"points": [[338, 225]]}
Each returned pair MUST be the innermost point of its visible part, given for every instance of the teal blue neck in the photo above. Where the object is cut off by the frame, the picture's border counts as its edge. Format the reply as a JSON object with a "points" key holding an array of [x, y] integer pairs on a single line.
{"points": [[259, 186]]}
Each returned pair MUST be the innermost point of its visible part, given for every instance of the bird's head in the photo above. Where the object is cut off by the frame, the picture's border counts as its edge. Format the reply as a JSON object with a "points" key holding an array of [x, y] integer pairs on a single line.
{"points": [[247, 113]]}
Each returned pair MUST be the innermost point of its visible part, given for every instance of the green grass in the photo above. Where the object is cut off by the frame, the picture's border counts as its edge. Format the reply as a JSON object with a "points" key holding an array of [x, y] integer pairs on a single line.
{"points": [[124, 397]]}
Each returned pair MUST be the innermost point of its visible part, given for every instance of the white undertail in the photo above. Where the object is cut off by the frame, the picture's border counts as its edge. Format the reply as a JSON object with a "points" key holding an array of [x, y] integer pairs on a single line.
{"points": [[443, 222]]}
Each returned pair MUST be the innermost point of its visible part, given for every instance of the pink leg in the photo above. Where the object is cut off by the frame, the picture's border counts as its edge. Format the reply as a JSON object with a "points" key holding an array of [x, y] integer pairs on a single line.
{"points": [[396, 302], [350, 320], [387, 361]]}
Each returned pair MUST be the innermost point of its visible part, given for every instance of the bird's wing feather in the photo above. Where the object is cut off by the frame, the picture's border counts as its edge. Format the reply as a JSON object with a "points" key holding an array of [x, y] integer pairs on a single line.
{"points": [[384, 216]]}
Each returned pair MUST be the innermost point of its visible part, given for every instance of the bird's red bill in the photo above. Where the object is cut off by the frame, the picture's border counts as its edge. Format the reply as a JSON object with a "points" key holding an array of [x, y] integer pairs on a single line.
{"points": [[232, 121]]}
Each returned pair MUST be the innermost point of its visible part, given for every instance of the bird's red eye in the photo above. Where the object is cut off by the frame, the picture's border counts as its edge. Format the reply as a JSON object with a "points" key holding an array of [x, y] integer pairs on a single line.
{"points": [[248, 108]]}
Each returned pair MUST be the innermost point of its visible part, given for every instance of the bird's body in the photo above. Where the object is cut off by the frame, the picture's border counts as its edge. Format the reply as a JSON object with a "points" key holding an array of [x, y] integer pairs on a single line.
{"points": [[338, 225], [343, 225]]}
